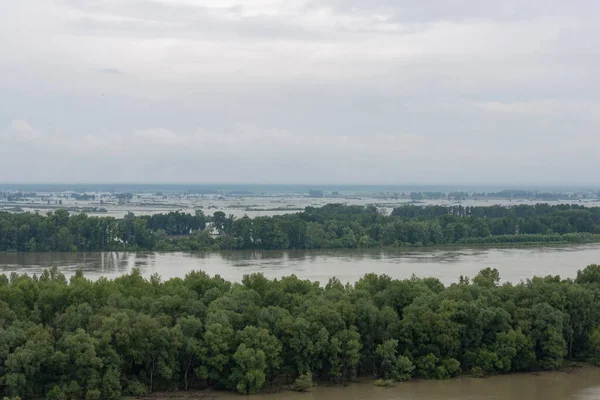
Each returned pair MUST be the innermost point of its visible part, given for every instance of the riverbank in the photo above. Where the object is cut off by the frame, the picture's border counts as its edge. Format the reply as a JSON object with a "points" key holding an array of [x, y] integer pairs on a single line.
{"points": [[479, 244], [491, 244]]}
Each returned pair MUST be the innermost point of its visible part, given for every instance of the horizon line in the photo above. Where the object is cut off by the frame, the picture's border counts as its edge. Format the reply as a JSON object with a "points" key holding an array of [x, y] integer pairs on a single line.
{"points": [[475, 184]]}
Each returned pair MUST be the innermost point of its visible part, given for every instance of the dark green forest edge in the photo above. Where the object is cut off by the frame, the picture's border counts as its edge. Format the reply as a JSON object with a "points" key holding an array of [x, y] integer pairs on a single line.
{"points": [[331, 226], [131, 336]]}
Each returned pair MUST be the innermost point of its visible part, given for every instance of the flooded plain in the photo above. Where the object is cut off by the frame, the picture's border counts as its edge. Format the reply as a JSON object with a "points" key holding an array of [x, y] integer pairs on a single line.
{"points": [[348, 265], [257, 206]]}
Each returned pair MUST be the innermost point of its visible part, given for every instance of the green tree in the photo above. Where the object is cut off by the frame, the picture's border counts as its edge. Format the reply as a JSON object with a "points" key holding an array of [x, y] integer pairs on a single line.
{"points": [[216, 352], [249, 372], [191, 349], [594, 352], [392, 366]]}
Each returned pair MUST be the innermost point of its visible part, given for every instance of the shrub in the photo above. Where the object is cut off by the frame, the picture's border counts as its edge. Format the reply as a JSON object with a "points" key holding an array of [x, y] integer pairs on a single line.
{"points": [[136, 388], [384, 383], [55, 393], [303, 383], [404, 369], [93, 394]]}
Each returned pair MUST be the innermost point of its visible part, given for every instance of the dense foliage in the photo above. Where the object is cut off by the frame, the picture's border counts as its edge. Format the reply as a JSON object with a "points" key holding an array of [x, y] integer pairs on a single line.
{"points": [[331, 226], [104, 339]]}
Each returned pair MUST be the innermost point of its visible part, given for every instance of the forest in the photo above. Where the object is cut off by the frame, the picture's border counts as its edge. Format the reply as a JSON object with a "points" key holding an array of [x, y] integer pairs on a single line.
{"points": [[330, 226], [77, 338]]}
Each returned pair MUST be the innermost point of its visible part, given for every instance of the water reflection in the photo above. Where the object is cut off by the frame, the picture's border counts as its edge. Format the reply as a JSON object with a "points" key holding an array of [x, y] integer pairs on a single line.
{"points": [[514, 264]]}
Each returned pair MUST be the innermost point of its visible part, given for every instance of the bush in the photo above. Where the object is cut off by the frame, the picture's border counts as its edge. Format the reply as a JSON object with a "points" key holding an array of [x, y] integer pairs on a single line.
{"points": [[449, 368], [55, 393], [427, 366], [93, 394], [384, 383], [303, 383], [72, 390], [404, 369], [136, 388]]}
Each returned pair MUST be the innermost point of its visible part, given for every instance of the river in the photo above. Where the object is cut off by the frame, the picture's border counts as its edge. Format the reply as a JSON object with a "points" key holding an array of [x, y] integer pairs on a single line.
{"points": [[579, 385], [447, 264]]}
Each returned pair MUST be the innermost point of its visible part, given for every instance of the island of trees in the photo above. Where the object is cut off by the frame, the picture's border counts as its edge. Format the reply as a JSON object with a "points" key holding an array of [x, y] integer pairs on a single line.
{"points": [[103, 339], [331, 226]]}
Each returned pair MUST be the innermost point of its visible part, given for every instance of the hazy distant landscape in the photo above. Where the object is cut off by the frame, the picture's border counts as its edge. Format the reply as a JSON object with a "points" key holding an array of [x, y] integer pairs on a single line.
{"points": [[264, 200]]}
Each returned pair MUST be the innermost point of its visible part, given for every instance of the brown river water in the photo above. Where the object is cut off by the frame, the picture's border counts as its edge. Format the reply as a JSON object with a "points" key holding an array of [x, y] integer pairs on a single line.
{"points": [[579, 385], [348, 265]]}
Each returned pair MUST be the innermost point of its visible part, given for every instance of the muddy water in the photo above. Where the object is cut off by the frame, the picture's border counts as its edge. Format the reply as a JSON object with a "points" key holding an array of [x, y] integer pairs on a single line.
{"points": [[579, 385], [514, 264]]}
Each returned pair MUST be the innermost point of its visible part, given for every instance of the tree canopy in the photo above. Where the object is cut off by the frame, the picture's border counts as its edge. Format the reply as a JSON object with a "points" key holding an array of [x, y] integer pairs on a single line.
{"points": [[330, 226], [77, 338]]}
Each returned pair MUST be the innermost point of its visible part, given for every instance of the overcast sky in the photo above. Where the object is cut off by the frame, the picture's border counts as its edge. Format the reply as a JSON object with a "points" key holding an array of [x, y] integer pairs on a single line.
{"points": [[300, 91]]}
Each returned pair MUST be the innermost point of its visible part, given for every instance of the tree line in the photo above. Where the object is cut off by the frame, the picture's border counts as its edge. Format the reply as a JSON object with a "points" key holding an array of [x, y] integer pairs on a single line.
{"points": [[77, 338], [330, 226]]}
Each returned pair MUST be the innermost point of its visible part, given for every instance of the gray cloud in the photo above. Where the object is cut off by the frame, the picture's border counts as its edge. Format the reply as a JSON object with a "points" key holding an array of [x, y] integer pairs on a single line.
{"points": [[156, 19], [300, 91], [460, 10], [112, 71]]}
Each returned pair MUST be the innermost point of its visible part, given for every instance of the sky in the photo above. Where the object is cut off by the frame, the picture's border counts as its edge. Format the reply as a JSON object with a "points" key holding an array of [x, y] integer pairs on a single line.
{"points": [[300, 91]]}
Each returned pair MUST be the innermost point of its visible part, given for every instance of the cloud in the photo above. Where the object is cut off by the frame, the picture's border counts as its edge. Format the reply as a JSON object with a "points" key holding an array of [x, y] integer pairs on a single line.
{"points": [[300, 90], [189, 21], [246, 152], [21, 130], [425, 11], [112, 71], [21, 126], [244, 149]]}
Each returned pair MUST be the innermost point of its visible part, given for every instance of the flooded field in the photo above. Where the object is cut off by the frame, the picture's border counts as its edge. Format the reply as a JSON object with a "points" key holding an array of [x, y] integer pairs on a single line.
{"points": [[260, 200], [256, 206]]}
